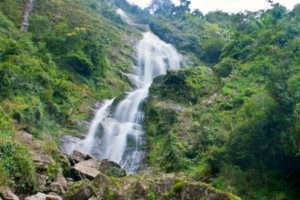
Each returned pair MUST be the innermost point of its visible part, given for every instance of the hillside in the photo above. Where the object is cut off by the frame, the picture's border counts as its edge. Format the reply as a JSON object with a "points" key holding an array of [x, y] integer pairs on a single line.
{"points": [[225, 124], [240, 126]]}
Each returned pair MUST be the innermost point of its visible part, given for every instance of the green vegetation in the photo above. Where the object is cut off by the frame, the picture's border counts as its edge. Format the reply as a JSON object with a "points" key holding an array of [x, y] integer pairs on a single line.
{"points": [[241, 121], [240, 90], [71, 56], [115, 172]]}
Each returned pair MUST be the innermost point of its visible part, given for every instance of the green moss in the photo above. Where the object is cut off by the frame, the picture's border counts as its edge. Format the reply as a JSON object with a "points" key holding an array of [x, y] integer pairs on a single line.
{"points": [[226, 91], [177, 187], [151, 196], [75, 188], [115, 172]]}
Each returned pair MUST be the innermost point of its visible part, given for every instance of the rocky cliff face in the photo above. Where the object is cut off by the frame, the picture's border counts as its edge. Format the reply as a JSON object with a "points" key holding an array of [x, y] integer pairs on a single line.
{"points": [[82, 177]]}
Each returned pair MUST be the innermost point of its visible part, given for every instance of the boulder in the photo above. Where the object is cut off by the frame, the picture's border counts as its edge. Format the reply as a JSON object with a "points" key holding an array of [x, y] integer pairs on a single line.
{"points": [[36, 147], [6, 194], [81, 191], [100, 183], [125, 189], [42, 181], [70, 182], [88, 157], [53, 197], [38, 196], [107, 165], [28, 140], [78, 156], [142, 188], [57, 188], [61, 179], [41, 160], [68, 142], [88, 168], [165, 183]]}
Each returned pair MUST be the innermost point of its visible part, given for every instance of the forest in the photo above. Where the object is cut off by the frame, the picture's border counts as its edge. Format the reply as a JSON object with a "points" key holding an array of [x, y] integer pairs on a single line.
{"points": [[239, 86]]}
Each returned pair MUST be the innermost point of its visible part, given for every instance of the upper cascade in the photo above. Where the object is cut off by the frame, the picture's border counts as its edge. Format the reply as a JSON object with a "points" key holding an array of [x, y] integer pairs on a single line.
{"points": [[124, 16]]}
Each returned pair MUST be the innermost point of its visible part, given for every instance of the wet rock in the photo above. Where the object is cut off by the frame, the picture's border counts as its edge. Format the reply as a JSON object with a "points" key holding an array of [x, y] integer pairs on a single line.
{"points": [[6, 194], [85, 126], [68, 141], [107, 164], [105, 122], [89, 168], [78, 156], [57, 188], [100, 183], [42, 181], [88, 157], [38, 196], [61, 179], [81, 191]]}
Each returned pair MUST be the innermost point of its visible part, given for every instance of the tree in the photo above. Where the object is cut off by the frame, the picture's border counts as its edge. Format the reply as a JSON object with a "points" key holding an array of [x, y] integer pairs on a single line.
{"points": [[197, 13], [160, 6]]}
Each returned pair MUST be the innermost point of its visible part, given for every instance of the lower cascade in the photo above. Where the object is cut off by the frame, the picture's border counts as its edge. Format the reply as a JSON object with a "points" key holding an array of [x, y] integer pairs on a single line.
{"points": [[121, 137]]}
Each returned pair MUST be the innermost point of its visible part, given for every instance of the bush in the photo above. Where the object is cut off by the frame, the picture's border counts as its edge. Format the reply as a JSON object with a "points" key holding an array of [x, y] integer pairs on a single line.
{"points": [[212, 49], [115, 172], [16, 166], [225, 67]]}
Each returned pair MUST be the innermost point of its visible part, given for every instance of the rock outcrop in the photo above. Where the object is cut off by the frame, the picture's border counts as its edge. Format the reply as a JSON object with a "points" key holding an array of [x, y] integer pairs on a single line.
{"points": [[38, 196], [88, 168], [6, 194], [81, 191], [161, 187]]}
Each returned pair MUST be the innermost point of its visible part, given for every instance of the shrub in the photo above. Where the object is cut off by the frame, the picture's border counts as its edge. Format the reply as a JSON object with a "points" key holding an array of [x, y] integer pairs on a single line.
{"points": [[16, 166], [225, 67], [115, 172]]}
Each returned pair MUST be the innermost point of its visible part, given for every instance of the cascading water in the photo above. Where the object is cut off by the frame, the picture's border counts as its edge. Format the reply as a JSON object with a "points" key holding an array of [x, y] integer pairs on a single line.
{"points": [[86, 145], [122, 139], [124, 16], [122, 136], [29, 8]]}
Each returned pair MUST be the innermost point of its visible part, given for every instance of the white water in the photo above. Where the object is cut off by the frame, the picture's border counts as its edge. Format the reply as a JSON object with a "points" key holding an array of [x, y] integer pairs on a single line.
{"points": [[86, 145], [124, 16], [123, 136], [29, 8]]}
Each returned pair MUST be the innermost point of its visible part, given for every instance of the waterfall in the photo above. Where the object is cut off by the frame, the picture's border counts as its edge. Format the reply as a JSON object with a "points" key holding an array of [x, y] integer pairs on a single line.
{"points": [[86, 145], [29, 8], [123, 137], [124, 16]]}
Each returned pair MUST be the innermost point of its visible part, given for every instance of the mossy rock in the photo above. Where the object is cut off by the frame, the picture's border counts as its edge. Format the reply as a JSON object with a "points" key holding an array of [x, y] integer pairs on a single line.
{"points": [[185, 86]]}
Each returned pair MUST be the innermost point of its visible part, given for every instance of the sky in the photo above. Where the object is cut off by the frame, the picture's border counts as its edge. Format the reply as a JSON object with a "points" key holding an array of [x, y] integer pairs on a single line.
{"points": [[231, 6]]}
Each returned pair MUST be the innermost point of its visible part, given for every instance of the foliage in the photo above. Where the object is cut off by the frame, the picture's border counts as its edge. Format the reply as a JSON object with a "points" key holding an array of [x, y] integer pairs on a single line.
{"points": [[115, 172], [16, 166], [246, 127]]}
